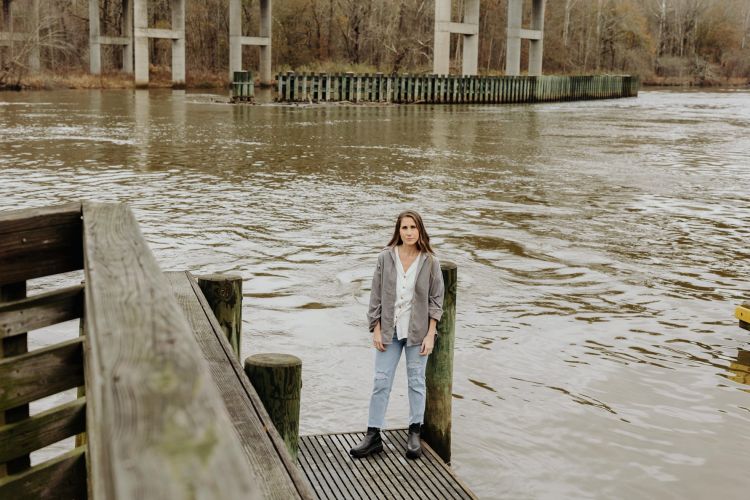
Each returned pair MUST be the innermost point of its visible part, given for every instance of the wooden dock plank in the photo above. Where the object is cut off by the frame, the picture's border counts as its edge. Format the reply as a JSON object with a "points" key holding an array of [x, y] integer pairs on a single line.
{"points": [[344, 469], [333, 473], [323, 469], [392, 460], [434, 469], [370, 488], [366, 467], [312, 473], [258, 436], [382, 474], [424, 473]]}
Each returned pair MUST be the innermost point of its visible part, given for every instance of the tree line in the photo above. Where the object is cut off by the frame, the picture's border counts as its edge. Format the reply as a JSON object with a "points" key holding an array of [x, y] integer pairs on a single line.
{"points": [[697, 41]]}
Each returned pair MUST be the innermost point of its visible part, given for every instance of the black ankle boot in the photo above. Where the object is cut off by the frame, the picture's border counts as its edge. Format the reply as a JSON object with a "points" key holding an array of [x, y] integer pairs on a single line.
{"points": [[372, 443], [413, 445]]}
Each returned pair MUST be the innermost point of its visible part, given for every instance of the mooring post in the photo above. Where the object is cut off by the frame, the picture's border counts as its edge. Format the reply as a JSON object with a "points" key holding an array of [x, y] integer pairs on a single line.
{"points": [[439, 375], [277, 378], [223, 293]]}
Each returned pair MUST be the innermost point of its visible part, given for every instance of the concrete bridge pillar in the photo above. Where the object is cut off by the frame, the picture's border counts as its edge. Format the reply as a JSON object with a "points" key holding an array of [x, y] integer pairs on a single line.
{"points": [[441, 50], [178, 42], [237, 41], [126, 28], [516, 33], [536, 49], [469, 29], [266, 23], [124, 39], [95, 53], [142, 33], [140, 42]]}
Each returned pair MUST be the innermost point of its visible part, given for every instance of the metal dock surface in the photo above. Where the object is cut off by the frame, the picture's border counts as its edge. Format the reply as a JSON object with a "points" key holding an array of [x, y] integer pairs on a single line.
{"points": [[333, 473]]}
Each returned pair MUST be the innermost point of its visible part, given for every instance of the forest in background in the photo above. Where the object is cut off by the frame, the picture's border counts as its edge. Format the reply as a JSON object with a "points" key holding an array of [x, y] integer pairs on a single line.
{"points": [[696, 42]]}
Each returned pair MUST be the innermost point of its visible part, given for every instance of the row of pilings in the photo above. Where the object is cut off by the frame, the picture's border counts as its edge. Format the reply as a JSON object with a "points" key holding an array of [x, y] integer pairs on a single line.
{"points": [[450, 89]]}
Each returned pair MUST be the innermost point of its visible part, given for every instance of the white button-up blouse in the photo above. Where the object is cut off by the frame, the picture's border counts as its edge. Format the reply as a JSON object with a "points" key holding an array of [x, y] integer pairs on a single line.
{"points": [[405, 281]]}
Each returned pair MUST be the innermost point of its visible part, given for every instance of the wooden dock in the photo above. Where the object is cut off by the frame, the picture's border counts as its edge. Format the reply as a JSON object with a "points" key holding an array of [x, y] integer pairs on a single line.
{"points": [[334, 474], [164, 408]]}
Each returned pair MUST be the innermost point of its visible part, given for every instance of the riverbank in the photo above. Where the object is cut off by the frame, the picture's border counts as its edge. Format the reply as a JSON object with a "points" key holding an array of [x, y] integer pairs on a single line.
{"points": [[161, 78]]}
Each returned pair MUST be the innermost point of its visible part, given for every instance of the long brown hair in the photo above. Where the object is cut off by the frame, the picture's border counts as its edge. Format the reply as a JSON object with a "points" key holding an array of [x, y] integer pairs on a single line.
{"points": [[423, 242]]}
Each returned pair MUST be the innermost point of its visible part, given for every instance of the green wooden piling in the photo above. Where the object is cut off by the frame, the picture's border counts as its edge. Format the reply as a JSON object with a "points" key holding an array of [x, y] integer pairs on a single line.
{"points": [[223, 293], [277, 378], [439, 374], [289, 86], [452, 89]]}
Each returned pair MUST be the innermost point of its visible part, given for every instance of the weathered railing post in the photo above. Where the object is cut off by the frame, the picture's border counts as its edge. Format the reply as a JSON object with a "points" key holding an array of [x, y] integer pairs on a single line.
{"points": [[223, 293], [277, 378], [439, 375]]}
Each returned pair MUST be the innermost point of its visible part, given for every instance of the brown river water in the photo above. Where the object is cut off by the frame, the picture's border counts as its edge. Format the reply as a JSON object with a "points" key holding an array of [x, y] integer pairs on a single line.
{"points": [[601, 248]]}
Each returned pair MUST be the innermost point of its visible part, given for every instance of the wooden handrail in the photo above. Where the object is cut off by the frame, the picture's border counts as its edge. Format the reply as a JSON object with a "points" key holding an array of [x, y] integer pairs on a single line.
{"points": [[35, 242], [157, 427]]}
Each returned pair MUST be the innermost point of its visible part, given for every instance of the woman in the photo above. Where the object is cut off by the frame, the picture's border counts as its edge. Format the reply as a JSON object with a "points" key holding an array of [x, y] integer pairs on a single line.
{"points": [[406, 303]]}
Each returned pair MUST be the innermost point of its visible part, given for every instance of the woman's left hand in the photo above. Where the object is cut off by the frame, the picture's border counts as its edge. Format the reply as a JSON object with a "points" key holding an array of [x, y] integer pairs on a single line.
{"points": [[427, 345]]}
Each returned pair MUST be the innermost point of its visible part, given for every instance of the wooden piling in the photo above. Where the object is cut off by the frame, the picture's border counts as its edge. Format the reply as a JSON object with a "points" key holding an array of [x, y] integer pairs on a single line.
{"points": [[439, 374], [277, 378], [223, 293]]}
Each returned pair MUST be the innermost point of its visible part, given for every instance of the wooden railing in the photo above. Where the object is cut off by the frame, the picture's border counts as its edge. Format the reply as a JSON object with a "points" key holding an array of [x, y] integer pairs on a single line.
{"points": [[450, 89], [156, 425], [34, 244]]}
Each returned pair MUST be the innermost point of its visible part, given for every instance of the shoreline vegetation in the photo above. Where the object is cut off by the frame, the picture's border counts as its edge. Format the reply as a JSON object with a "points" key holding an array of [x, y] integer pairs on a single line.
{"points": [[161, 78], [692, 43]]}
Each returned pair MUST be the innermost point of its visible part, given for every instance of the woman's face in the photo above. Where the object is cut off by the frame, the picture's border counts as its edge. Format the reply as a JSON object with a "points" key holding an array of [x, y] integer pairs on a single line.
{"points": [[408, 230]]}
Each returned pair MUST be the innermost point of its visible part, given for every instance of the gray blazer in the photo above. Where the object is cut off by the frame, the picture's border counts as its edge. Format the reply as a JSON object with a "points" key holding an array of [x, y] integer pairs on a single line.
{"points": [[427, 302]]}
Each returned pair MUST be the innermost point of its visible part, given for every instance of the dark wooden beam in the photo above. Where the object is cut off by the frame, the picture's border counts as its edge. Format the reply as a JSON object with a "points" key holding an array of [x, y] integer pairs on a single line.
{"points": [[61, 477], [42, 430], [42, 310], [40, 373], [40, 242]]}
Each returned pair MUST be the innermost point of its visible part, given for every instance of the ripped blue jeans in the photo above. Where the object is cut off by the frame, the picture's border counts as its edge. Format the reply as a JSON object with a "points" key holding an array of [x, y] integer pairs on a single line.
{"points": [[385, 369]]}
